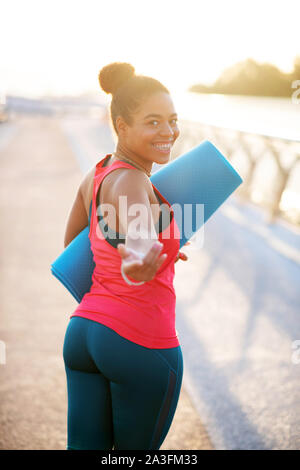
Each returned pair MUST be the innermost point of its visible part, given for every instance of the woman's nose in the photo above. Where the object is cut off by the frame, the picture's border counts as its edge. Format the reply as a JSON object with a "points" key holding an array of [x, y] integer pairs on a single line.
{"points": [[167, 130]]}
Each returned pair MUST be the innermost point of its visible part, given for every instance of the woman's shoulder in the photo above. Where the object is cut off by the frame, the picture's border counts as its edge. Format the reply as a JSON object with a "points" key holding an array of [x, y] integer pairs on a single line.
{"points": [[132, 180], [88, 179], [118, 179], [87, 183], [125, 179]]}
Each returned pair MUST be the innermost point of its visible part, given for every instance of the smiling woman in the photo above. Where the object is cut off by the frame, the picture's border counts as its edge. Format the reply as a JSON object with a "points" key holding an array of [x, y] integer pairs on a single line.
{"points": [[136, 100], [122, 354]]}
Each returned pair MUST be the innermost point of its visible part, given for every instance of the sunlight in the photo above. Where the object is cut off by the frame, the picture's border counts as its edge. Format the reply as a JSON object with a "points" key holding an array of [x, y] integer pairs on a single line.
{"points": [[59, 47]]}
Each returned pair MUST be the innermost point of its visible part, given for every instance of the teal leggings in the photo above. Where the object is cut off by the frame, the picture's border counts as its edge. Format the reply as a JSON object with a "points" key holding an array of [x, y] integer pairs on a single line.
{"points": [[121, 395]]}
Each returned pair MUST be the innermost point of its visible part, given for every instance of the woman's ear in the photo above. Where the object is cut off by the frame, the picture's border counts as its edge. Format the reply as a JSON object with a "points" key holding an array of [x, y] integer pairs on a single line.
{"points": [[121, 126]]}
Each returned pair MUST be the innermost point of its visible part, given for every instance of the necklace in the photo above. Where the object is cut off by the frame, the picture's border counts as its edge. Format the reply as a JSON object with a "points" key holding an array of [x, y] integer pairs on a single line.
{"points": [[128, 160]]}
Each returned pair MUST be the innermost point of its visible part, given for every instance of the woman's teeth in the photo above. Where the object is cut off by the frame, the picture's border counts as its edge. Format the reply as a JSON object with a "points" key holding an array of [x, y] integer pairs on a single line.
{"points": [[163, 147]]}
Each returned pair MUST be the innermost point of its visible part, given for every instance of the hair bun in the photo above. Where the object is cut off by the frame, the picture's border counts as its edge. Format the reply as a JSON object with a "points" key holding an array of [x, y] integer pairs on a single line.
{"points": [[112, 76]]}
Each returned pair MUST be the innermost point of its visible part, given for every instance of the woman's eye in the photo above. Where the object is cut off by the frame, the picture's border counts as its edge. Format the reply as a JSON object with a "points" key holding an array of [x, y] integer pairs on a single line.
{"points": [[172, 120]]}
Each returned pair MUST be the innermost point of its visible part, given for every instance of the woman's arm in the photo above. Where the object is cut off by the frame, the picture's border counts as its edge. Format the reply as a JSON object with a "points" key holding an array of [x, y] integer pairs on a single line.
{"points": [[78, 217], [140, 255], [137, 222]]}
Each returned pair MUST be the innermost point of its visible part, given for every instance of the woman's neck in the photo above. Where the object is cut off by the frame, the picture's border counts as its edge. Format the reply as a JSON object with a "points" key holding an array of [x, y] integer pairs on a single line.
{"points": [[122, 154]]}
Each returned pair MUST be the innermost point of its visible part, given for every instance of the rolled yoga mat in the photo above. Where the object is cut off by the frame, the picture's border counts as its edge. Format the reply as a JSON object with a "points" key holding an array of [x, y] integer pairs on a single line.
{"points": [[201, 176]]}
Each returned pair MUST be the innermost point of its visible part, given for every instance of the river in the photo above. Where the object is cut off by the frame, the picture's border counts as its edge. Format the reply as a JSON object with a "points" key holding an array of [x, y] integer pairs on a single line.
{"points": [[276, 117]]}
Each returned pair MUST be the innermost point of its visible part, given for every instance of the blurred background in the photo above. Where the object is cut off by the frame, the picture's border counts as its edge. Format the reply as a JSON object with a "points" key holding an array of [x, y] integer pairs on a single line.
{"points": [[233, 70]]}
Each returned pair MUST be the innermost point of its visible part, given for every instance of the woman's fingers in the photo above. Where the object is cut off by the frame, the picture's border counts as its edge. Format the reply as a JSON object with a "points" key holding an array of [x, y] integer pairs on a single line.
{"points": [[121, 249], [154, 259], [133, 266], [161, 261], [127, 254], [152, 255], [145, 267], [181, 256]]}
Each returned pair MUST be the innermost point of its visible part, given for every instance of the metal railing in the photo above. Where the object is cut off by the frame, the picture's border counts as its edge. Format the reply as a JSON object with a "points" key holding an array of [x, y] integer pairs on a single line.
{"points": [[269, 165]]}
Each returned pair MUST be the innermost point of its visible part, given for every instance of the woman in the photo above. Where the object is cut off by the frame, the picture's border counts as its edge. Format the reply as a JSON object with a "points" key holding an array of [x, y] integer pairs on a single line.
{"points": [[122, 355]]}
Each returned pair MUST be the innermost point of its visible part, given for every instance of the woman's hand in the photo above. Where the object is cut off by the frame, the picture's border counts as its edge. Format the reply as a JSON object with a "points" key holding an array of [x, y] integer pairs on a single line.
{"points": [[141, 267], [182, 255]]}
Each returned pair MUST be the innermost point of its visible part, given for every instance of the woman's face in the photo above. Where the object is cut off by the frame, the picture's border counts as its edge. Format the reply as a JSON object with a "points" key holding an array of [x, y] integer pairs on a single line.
{"points": [[153, 132]]}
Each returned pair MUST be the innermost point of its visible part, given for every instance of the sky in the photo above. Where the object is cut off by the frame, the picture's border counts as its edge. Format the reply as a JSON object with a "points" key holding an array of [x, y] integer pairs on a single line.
{"points": [[58, 47]]}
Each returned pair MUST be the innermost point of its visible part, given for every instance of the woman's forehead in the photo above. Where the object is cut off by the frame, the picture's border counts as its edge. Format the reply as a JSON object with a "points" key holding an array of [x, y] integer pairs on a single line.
{"points": [[158, 104]]}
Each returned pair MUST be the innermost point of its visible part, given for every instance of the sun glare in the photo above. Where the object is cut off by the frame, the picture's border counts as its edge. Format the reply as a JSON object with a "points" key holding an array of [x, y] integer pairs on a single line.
{"points": [[59, 47]]}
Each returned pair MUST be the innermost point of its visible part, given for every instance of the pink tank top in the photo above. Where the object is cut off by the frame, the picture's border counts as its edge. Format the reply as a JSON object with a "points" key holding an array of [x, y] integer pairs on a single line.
{"points": [[143, 314]]}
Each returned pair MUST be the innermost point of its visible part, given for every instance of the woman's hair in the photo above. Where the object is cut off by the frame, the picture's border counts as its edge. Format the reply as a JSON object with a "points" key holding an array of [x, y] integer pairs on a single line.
{"points": [[127, 89]]}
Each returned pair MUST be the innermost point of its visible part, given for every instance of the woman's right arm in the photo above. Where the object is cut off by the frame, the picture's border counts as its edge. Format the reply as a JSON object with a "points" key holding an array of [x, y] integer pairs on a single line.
{"points": [[141, 254]]}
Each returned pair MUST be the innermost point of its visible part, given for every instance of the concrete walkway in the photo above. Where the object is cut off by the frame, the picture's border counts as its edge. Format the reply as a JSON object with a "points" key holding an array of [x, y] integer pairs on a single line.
{"points": [[39, 176]]}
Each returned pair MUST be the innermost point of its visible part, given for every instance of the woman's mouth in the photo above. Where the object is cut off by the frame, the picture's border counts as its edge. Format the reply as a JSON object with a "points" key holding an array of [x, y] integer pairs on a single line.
{"points": [[163, 148]]}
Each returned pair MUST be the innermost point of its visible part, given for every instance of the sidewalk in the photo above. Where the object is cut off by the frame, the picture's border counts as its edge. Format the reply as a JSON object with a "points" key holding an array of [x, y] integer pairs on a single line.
{"points": [[39, 177]]}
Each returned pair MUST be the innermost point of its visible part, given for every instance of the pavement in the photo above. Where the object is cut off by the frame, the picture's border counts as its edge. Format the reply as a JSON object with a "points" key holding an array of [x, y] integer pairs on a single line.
{"points": [[39, 176]]}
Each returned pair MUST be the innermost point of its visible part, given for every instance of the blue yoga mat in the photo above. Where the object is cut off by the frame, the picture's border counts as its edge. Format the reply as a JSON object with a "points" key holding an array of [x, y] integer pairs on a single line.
{"points": [[200, 176]]}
